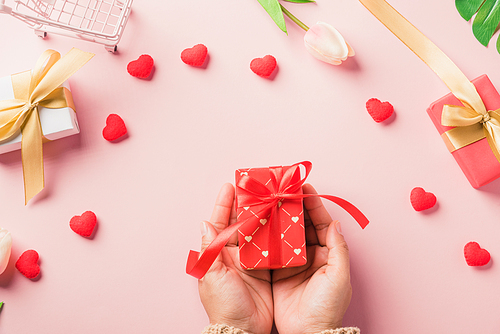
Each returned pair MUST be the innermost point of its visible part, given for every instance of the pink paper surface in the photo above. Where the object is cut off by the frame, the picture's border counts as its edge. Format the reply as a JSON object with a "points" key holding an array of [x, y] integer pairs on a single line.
{"points": [[191, 128], [477, 161]]}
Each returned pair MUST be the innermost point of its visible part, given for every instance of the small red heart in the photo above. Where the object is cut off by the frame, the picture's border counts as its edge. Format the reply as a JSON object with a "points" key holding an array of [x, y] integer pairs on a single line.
{"points": [[84, 224], [142, 67], [27, 264], [475, 255], [422, 200], [195, 56], [263, 66], [379, 111], [115, 128]]}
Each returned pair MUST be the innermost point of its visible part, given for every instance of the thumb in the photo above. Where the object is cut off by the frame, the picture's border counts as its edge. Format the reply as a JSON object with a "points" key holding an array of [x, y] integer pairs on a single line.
{"points": [[338, 252], [208, 234]]}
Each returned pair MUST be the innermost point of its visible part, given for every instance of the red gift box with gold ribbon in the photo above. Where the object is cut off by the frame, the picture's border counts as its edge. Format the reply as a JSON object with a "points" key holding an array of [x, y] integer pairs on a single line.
{"points": [[468, 119], [476, 159]]}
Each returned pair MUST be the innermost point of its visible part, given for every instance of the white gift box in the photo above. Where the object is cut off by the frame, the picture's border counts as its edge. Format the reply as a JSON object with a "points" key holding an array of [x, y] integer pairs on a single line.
{"points": [[56, 123]]}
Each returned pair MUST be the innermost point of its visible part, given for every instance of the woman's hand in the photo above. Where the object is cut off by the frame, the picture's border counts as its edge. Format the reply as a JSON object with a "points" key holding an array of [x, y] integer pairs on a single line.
{"points": [[314, 297], [231, 295]]}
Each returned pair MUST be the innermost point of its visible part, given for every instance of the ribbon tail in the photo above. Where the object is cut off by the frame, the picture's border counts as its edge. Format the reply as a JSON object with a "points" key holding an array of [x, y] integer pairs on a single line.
{"points": [[32, 157], [197, 266], [347, 206], [492, 141], [428, 52]]}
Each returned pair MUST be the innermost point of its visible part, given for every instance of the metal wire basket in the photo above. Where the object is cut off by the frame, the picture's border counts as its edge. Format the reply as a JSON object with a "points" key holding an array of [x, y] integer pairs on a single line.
{"points": [[99, 21]]}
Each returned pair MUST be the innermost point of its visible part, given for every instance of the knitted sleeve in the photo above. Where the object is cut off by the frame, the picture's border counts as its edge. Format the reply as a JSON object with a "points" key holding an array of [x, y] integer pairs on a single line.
{"points": [[343, 330], [224, 329]]}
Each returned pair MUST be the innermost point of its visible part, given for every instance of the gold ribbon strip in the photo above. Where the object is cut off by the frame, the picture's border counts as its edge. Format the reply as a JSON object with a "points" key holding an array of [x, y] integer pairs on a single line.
{"points": [[472, 121], [39, 87]]}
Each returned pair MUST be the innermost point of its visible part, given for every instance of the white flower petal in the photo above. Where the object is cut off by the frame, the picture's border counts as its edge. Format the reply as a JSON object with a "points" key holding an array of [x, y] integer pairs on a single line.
{"points": [[325, 43], [5, 248]]}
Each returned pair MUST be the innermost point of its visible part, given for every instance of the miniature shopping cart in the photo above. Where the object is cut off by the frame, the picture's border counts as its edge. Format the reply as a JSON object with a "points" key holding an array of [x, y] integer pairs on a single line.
{"points": [[99, 21]]}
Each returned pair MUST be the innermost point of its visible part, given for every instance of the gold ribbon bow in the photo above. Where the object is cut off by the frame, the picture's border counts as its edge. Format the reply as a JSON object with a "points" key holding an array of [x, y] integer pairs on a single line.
{"points": [[471, 122], [38, 88], [471, 126]]}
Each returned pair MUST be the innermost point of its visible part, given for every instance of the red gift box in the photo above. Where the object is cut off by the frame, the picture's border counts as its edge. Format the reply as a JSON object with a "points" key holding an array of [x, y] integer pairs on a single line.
{"points": [[278, 239], [476, 160]]}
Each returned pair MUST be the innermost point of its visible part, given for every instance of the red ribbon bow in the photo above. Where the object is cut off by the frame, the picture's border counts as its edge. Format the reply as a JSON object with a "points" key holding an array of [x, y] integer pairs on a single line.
{"points": [[283, 186]]}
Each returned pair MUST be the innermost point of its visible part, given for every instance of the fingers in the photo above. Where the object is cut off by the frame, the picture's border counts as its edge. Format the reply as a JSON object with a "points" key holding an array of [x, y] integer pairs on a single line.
{"points": [[223, 207], [233, 241], [338, 252], [317, 212], [311, 236]]}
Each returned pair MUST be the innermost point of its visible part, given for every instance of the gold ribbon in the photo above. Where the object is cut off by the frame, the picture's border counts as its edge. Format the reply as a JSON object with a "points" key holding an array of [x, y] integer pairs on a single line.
{"points": [[471, 122], [32, 89]]}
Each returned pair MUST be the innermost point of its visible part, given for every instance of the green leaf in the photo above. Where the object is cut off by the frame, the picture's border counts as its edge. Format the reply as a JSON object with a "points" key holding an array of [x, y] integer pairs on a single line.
{"points": [[467, 8], [300, 1], [1, 304], [273, 8], [498, 44], [487, 18], [486, 21]]}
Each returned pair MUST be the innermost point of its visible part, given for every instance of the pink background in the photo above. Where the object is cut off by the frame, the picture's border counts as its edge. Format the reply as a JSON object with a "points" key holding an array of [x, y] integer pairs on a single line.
{"points": [[190, 128]]}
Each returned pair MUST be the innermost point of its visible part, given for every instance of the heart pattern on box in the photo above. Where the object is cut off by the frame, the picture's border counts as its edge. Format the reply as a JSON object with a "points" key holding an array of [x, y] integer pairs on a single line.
{"points": [[265, 253], [295, 219], [263, 221], [84, 225], [475, 255], [248, 238], [27, 264], [297, 251]]}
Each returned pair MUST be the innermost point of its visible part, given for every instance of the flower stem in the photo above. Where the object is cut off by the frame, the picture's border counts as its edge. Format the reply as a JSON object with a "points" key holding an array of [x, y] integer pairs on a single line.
{"points": [[294, 19]]}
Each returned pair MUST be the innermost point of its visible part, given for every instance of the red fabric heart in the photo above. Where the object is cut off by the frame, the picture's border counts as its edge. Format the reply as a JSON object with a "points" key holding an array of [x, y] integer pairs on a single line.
{"points": [[115, 128], [142, 67], [422, 200], [27, 264], [379, 111], [84, 224], [475, 255], [263, 66], [195, 56]]}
